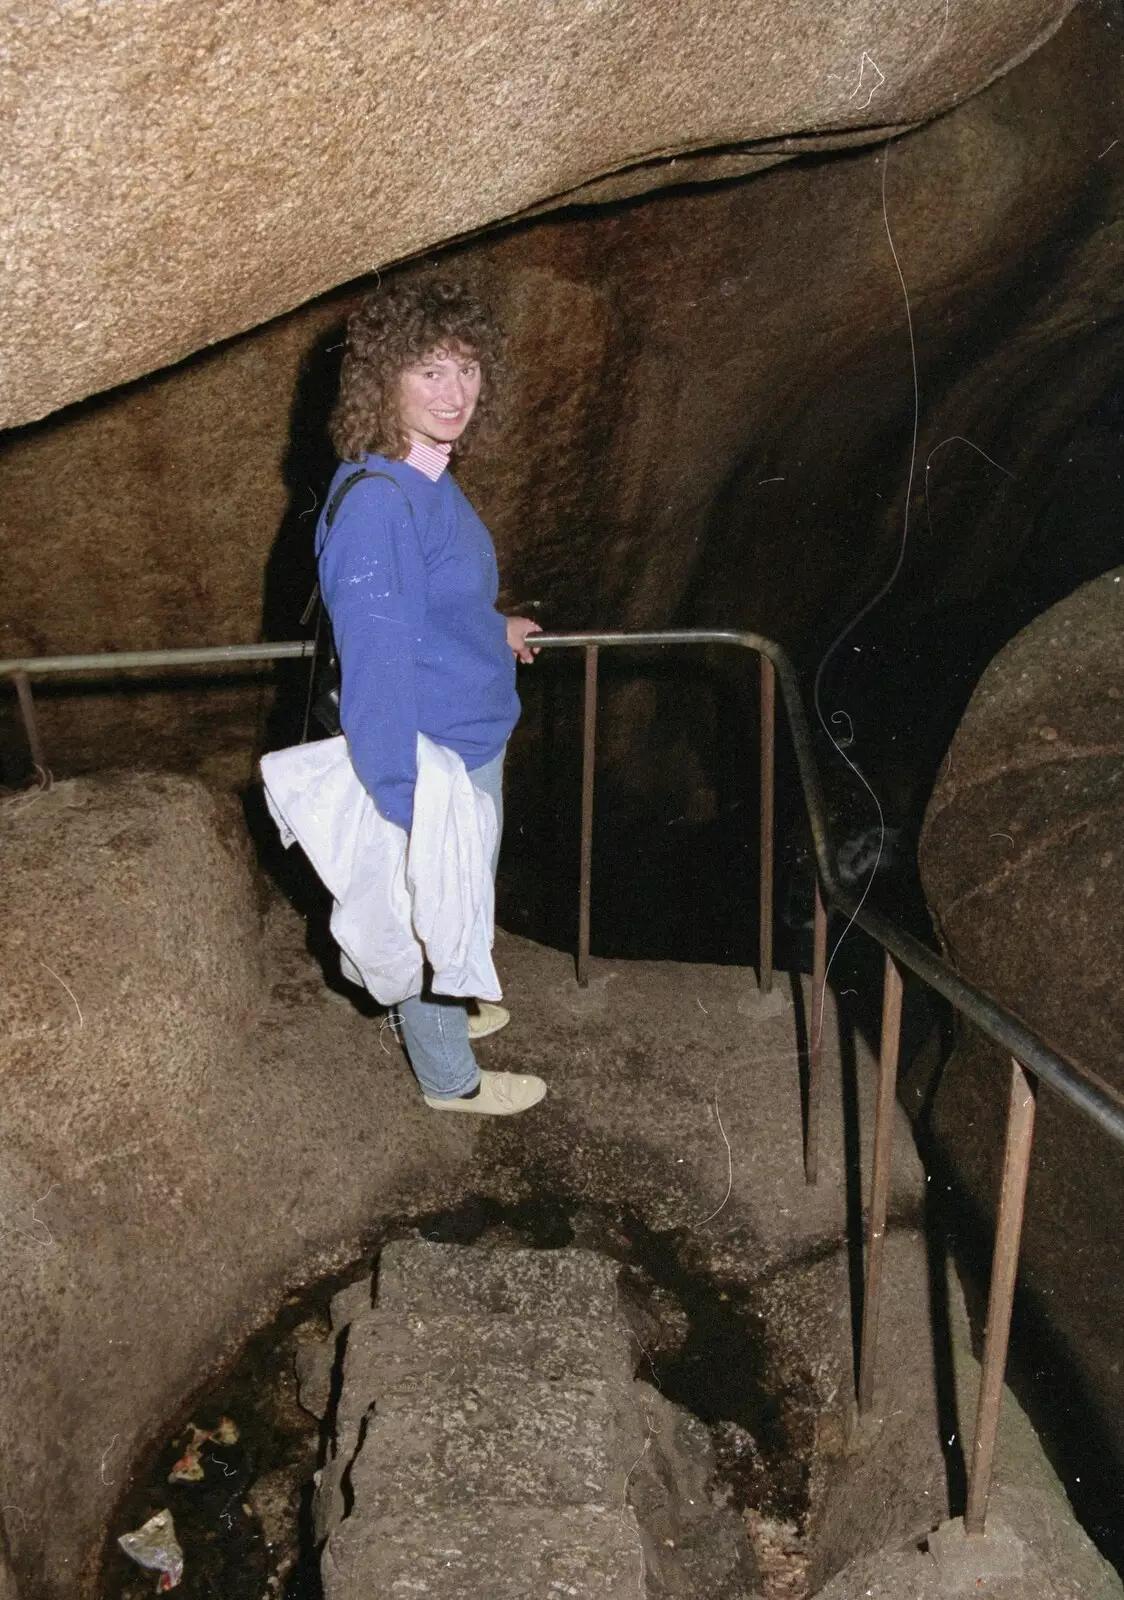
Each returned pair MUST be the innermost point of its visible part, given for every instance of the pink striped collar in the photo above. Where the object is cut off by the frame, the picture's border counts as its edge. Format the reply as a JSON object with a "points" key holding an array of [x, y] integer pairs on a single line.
{"points": [[432, 459]]}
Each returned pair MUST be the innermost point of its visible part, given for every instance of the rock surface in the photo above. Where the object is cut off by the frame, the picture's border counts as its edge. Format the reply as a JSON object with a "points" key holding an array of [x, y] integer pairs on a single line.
{"points": [[130, 948], [1023, 861], [179, 174]]}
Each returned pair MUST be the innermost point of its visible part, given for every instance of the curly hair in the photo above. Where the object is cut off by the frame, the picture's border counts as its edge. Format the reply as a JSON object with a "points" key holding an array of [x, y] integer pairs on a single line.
{"points": [[393, 328]]}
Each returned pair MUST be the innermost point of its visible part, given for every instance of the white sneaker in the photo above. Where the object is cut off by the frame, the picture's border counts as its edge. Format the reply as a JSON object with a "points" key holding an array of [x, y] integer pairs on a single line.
{"points": [[501, 1094], [485, 1018]]}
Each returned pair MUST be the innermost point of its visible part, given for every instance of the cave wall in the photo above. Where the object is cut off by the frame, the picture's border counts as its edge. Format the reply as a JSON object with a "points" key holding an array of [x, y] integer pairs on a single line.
{"points": [[177, 173], [708, 419]]}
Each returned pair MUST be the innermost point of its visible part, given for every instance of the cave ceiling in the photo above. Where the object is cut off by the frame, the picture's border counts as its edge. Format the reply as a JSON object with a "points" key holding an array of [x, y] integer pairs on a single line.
{"points": [[174, 174]]}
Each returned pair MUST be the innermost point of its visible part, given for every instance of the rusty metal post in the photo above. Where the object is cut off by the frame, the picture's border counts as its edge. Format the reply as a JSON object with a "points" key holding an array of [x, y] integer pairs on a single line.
{"points": [[589, 746], [880, 1178], [815, 1039], [30, 720], [765, 854], [1004, 1268]]}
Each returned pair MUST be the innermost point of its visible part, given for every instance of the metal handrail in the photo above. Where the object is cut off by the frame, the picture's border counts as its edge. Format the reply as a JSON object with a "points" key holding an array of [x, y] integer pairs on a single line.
{"points": [[1032, 1058], [1094, 1099], [109, 662]]}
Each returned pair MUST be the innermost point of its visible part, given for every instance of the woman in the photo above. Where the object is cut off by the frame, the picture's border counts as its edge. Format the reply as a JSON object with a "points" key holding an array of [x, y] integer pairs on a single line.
{"points": [[409, 577]]}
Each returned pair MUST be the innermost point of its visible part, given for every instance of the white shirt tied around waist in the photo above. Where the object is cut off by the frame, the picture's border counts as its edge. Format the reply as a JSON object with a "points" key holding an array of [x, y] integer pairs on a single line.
{"points": [[399, 901]]}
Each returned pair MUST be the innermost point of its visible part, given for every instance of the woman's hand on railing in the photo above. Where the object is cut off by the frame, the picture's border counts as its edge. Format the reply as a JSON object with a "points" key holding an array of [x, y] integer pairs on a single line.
{"points": [[518, 629]]}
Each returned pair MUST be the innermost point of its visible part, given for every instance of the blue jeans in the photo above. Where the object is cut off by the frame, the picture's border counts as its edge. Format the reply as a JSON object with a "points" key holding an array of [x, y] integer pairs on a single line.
{"points": [[435, 1027]]}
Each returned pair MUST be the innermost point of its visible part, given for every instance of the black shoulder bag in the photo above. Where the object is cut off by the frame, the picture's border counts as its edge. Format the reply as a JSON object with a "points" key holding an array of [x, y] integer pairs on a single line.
{"points": [[323, 698]]}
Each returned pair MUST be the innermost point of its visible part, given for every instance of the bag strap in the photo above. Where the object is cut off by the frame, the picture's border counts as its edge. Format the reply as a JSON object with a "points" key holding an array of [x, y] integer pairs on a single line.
{"points": [[314, 605], [349, 483], [330, 517]]}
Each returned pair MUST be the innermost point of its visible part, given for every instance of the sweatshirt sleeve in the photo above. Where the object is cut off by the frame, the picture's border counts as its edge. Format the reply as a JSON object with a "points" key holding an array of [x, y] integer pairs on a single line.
{"points": [[373, 581]]}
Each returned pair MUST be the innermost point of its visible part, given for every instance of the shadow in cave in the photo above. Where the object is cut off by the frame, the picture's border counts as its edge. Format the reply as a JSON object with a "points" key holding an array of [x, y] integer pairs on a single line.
{"points": [[675, 875], [290, 569], [853, 1182], [803, 1057], [287, 584], [910, 669], [949, 1420]]}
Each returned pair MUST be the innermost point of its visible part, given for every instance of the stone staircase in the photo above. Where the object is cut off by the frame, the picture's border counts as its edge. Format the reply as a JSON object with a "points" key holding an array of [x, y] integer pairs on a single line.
{"points": [[489, 1438]]}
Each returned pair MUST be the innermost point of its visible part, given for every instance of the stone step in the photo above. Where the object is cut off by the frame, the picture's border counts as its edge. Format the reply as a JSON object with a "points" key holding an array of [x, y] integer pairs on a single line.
{"points": [[387, 1353], [499, 1436], [418, 1276], [485, 1432], [492, 1553]]}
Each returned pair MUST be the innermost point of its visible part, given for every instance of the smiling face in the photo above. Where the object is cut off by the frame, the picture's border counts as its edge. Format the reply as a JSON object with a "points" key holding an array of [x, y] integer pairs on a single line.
{"points": [[437, 396]]}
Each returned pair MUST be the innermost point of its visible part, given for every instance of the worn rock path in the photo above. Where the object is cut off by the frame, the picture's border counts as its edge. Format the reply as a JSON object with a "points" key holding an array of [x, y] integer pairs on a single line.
{"points": [[487, 1434]]}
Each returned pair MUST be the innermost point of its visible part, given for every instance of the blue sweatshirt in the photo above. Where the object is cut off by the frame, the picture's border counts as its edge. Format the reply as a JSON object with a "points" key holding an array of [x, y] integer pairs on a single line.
{"points": [[409, 578]]}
